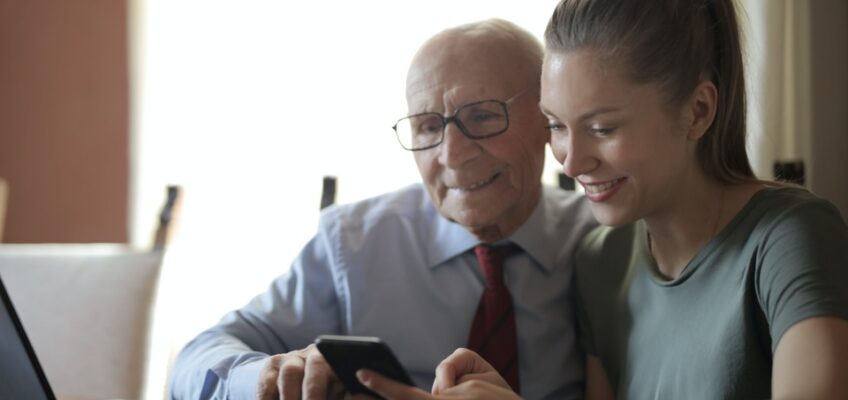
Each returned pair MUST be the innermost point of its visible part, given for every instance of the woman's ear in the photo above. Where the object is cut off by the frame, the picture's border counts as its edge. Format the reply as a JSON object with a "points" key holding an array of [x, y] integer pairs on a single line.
{"points": [[701, 109]]}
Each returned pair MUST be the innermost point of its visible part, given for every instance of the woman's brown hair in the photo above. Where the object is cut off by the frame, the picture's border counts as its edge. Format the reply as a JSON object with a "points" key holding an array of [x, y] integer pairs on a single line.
{"points": [[676, 44]]}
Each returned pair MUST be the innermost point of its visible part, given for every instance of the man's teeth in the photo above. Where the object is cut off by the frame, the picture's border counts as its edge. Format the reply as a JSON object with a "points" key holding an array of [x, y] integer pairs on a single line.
{"points": [[592, 188], [481, 183]]}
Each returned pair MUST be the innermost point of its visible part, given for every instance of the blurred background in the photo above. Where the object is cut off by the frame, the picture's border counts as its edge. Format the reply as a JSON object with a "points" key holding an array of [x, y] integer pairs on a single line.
{"points": [[248, 105]]}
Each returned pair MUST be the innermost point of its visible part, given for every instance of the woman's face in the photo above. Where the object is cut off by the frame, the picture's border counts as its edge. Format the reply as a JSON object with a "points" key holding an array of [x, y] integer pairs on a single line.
{"points": [[619, 140]]}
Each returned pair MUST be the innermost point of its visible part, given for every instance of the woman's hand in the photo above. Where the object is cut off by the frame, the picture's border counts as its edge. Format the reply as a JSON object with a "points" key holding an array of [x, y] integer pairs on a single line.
{"points": [[463, 375], [468, 390], [462, 366]]}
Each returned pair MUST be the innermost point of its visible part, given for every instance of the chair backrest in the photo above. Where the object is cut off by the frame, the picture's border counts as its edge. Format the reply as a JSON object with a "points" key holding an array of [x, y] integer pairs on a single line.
{"points": [[86, 309], [565, 182], [4, 195], [328, 191], [169, 210]]}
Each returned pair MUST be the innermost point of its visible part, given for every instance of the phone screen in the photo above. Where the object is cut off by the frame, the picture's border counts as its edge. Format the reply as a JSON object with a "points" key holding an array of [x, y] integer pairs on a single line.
{"points": [[348, 354]]}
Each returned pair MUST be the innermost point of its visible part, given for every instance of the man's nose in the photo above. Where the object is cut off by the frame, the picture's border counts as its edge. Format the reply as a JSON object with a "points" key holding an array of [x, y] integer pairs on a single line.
{"points": [[456, 148]]}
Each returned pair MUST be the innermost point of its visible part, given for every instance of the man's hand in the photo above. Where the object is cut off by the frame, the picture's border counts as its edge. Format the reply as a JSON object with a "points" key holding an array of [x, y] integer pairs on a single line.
{"points": [[299, 374]]}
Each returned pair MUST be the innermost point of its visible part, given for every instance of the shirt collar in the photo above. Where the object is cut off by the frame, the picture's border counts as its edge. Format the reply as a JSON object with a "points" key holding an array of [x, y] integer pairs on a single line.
{"points": [[534, 237]]}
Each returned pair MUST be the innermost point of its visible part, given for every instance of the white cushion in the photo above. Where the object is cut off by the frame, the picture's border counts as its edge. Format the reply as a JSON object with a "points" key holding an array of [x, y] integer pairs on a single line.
{"points": [[86, 309]]}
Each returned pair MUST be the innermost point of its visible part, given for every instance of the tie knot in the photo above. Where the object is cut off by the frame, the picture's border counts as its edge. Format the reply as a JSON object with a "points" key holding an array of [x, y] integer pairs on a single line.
{"points": [[491, 259]]}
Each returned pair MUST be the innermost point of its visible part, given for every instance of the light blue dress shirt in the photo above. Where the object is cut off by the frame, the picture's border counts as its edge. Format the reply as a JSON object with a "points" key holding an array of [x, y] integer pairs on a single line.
{"points": [[392, 267]]}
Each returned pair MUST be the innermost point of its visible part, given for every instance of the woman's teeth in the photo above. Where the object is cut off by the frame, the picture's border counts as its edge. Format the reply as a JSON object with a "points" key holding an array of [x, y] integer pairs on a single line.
{"points": [[601, 187]]}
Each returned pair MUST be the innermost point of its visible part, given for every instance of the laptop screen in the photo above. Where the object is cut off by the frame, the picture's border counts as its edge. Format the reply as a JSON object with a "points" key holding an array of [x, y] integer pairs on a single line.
{"points": [[21, 376]]}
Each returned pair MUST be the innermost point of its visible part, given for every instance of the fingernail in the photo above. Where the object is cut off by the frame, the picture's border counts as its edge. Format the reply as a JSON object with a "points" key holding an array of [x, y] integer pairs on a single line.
{"points": [[363, 376]]}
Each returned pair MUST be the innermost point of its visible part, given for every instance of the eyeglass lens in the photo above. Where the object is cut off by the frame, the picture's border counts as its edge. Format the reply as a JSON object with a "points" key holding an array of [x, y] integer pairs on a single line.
{"points": [[477, 120]]}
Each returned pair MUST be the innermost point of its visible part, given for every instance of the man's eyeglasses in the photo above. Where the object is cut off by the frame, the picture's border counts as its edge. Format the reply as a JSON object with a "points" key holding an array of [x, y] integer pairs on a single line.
{"points": [[478, 120]]}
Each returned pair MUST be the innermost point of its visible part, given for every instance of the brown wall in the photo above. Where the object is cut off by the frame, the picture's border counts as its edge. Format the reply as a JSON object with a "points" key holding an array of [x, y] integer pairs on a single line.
{"points": [[64, 119]]}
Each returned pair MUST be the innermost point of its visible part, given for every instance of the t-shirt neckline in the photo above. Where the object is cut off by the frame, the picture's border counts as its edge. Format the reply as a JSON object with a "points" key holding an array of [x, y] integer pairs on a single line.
{"points": [[705, 252]]}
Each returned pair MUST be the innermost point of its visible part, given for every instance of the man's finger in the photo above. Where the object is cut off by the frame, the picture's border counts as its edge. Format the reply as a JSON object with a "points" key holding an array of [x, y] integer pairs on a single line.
{"points": [[391, 390], [317, 377], [290, 378], [267, 388]]}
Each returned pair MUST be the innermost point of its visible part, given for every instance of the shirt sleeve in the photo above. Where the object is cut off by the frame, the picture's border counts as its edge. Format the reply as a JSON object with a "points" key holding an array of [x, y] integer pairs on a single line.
{"points": [[802, 272], [225, 360]]}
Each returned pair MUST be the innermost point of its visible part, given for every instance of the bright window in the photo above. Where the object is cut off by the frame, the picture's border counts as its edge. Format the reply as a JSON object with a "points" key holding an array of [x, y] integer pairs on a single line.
{"points": [[247, 105]]}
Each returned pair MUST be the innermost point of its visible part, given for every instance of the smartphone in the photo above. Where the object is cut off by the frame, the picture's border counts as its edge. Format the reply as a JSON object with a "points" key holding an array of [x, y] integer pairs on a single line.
{"points": [[348, 354]]}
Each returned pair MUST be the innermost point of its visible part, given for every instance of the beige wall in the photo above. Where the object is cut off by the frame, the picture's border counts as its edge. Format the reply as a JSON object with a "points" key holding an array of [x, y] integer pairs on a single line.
{"points": [[64, 119], [829, 101]]}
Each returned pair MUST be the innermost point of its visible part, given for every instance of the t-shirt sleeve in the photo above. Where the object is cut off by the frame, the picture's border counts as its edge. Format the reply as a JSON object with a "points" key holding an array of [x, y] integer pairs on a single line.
{"points": [[584, 329], [585, 261], [803, 267]]}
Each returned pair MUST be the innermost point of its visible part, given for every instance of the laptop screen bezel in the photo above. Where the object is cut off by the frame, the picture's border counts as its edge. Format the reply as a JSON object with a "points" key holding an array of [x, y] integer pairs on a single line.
{"points": [[10, 309]]}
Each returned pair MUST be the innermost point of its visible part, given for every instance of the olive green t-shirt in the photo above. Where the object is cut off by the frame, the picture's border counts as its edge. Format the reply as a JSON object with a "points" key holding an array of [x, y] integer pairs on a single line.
{"points": [[711, 333]]}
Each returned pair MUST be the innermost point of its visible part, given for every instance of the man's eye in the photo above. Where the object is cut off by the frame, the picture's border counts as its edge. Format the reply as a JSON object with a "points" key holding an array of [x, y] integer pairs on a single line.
{"points": [[480, 116], [484, 116], [428, 128]]}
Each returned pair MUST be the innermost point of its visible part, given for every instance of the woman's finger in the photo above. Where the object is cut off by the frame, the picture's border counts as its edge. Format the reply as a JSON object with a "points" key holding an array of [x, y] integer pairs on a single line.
{"points": [[461, 362], [390, 389]]}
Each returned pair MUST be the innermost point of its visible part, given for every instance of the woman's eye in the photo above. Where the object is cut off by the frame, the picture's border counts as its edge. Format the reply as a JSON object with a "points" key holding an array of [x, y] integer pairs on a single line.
{"points": [[554, 127], [602, 131]]}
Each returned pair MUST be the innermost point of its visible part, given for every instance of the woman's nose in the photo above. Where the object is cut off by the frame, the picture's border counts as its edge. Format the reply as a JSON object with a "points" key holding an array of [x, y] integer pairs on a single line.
{"points": [[574, 153]]}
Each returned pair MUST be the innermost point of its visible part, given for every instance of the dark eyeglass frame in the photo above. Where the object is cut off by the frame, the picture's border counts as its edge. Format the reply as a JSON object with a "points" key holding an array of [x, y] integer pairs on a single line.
{"points": [[455, 119]]}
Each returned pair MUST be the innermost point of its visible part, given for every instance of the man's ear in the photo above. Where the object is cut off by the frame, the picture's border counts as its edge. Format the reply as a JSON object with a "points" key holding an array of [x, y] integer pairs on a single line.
{"points": [[701, 109]]}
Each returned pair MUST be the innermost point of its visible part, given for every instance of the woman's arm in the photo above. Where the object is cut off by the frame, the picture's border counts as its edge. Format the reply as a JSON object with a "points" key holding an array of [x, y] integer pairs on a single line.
{"points": [[476, 379], [802, 288], [811, 360], [598, 386]]}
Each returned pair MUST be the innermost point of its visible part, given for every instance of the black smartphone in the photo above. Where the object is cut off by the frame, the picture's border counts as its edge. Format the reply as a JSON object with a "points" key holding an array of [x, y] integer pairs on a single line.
{"points": [[348, 354]]}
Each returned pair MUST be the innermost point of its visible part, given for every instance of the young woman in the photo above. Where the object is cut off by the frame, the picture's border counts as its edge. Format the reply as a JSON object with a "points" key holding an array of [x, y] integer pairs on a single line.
{"points": [[705, 282]]}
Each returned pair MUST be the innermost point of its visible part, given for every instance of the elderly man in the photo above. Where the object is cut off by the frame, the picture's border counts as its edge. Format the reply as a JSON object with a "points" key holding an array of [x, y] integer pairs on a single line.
{"points": [[415, 267]]}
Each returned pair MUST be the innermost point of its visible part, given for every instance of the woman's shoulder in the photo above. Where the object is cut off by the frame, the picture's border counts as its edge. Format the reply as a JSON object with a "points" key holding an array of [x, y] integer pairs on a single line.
{"points": [[778, 207], [604, 236], [607, 247], [784, 217]]}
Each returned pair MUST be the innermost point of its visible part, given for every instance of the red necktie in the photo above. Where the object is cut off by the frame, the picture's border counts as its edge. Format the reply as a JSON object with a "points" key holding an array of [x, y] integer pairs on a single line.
{"points": [[493, 334]]}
